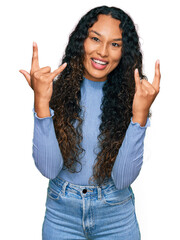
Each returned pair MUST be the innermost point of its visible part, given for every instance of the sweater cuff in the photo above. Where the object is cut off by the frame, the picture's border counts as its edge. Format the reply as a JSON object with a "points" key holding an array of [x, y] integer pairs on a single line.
{"points": [[51, 112], [148, 124]]}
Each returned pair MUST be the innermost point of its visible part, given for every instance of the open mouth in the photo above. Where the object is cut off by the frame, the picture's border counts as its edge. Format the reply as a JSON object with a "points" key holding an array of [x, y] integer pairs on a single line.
{"points": [[99, 62]]}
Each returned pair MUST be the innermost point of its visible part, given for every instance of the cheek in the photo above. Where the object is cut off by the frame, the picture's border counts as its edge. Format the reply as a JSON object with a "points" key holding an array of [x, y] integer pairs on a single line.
{"points": [[88, 47], [116, 57], [115, 60]]}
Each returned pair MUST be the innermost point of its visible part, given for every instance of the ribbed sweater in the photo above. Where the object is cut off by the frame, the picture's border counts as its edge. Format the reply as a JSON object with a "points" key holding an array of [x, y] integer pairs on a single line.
{"points": [[47, 154]]}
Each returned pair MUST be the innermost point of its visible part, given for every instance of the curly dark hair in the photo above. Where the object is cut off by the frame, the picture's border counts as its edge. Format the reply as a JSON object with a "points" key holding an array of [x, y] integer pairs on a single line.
{"points": [[118, 94]]}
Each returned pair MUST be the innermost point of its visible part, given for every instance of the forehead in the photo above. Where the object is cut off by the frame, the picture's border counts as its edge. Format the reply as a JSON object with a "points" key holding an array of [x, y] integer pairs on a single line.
{"points": [[107, 25]]}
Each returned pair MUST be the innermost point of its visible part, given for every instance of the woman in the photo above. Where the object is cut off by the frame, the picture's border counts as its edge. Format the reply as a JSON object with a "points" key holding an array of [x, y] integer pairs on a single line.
{"points": [[89, 128]]}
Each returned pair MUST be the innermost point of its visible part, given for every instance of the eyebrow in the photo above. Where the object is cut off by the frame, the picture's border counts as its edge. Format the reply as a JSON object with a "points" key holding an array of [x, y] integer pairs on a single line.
{"points": [[116, 39]]}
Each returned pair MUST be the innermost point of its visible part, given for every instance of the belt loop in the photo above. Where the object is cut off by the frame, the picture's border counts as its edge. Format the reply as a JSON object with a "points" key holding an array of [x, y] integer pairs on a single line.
{"points": [[64, 187], [130, 188], [99, 193]]}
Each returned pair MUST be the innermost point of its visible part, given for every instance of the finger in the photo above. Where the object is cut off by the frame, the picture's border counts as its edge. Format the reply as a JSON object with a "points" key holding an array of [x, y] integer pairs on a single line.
{"points": [[27, 76], [157, 76], [59, 70], [45, 70], [137, 79], [148, 86], [35, 60], [145, 89], [146, 83]]}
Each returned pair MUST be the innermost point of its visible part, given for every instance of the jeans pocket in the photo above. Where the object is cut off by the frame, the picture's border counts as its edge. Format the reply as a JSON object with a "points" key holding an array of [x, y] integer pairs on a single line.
{"points": [[119, 197], [54, 190], [52, 194]]}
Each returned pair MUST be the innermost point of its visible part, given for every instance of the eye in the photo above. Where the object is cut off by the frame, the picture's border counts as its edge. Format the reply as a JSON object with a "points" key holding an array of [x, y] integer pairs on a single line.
{"points": [[117, 45], [95, 39]]}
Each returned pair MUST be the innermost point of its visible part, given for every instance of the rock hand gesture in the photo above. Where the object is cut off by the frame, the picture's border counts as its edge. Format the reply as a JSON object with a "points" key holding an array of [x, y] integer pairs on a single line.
{"points": [[145, 94], [41, 81]]}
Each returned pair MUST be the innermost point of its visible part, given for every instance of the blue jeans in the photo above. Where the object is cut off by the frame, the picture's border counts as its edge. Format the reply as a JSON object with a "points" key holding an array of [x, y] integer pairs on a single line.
{"points": [[89, 212]]}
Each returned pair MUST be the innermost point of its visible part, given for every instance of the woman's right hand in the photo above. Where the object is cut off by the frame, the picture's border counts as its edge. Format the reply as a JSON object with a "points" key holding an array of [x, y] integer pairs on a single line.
{"points": [[41, 79]]}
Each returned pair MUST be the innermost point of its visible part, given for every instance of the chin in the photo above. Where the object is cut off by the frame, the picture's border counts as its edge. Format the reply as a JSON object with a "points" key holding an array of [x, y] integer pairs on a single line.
{"points": [[98, 77], [98, 74]]}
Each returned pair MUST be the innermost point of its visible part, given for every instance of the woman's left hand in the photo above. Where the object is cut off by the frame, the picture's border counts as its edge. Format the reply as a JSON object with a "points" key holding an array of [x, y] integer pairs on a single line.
{"points": [[145, 94]]}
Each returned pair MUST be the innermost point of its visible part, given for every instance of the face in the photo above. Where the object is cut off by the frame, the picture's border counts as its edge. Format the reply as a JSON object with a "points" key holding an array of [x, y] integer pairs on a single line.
{"points": [[103, 48]]}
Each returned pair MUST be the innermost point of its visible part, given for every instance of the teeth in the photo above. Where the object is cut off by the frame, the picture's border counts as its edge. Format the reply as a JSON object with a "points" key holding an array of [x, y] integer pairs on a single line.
{"points": [[99, 62]]}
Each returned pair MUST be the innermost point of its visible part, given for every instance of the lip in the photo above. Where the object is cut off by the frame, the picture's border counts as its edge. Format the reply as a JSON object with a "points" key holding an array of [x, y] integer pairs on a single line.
{"points": [[98, 66]]}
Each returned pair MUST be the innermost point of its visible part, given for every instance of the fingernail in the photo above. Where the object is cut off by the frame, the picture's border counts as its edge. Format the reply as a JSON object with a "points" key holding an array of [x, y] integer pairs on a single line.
{"points": [[158, 62], [34, 44], [64, 64]]}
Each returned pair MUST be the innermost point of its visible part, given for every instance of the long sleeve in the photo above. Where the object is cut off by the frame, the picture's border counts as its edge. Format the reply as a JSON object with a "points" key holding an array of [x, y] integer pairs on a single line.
{"points": [[45, 151], [130, 156]]}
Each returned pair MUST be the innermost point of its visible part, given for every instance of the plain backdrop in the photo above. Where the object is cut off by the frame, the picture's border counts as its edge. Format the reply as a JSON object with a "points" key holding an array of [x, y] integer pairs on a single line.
{"points": [[49, 23]]}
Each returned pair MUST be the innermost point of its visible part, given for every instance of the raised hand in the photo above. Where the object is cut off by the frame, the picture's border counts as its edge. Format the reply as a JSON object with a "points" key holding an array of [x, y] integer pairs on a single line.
{"points": [[41, 79], [145, 94]]}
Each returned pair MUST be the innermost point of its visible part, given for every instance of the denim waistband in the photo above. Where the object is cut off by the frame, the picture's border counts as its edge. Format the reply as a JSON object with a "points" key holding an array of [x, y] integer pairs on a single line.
{"points": [[87, 190]]}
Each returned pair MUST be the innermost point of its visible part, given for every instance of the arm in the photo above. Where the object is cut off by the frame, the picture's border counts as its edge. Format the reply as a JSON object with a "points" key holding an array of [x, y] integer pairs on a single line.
{"points": [[130, 156], [46, 152]]}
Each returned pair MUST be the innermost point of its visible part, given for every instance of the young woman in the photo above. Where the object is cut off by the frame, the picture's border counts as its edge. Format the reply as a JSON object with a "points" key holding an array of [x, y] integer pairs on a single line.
{"points": [[89, 128]]}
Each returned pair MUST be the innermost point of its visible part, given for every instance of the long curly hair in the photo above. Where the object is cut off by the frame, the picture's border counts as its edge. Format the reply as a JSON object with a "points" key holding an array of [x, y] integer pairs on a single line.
{"points": [[118, 94]]}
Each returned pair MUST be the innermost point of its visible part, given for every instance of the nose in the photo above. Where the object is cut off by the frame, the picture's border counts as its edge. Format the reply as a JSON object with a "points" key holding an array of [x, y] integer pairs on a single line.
{"points": [[102, 50]]}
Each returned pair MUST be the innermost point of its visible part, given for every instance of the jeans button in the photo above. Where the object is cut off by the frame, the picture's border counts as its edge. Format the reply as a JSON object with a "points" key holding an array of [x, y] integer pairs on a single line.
{"points": [[84, 190]]}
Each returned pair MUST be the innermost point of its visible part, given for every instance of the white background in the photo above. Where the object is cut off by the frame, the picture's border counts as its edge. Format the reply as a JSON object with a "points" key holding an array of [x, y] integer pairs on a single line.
{"points": [[49, 23]]}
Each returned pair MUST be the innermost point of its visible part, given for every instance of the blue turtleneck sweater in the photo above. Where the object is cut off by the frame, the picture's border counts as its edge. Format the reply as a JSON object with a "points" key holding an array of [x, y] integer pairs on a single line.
{"points": [[47, 154]]}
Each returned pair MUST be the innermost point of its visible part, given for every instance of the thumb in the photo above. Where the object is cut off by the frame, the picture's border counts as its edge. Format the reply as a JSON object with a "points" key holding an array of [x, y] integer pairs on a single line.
{"points": [[137, 80], [27, 76]]}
